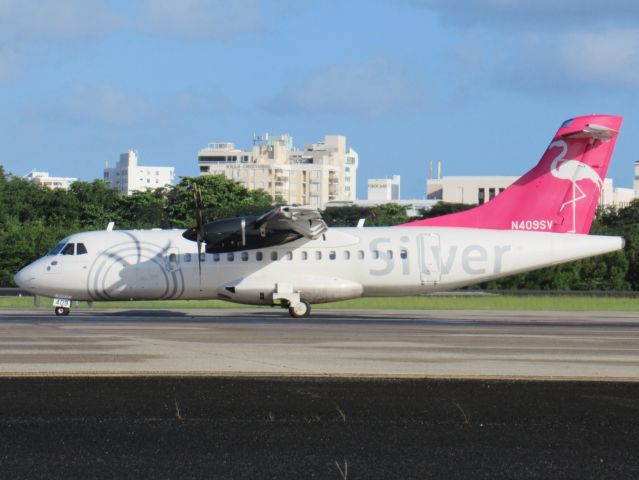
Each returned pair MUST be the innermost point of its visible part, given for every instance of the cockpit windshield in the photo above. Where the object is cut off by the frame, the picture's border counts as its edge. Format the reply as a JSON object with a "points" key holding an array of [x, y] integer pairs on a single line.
{"points": [[65, 248], [69, 249], [58, 248]]}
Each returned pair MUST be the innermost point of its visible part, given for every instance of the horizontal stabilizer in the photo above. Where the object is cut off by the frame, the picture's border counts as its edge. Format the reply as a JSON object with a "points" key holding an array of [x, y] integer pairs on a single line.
{"points": [[596, 132]]}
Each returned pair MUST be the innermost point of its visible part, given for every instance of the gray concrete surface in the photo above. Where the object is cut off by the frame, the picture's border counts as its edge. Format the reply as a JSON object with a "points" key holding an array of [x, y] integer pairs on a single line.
{"points": [[593, 345]]}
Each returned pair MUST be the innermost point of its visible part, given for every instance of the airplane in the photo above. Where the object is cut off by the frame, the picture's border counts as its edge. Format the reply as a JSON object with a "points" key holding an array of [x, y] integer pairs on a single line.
{"points": [[289, 257]]}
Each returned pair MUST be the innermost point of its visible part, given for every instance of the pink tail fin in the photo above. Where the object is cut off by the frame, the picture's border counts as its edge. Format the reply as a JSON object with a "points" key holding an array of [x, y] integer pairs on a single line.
{"points": [[560, 194]]}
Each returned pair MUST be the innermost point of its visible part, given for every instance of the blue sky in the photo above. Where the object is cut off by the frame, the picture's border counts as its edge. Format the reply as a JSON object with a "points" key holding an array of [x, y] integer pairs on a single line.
{"points": [[479, 84]]}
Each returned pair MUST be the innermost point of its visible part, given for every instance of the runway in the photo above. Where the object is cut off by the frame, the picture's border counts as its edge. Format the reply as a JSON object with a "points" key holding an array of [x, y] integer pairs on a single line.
{"points": [[450, 344], [344, 394]]}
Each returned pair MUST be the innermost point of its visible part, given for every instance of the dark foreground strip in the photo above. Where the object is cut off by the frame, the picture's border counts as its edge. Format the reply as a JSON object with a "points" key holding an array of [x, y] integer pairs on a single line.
{"points": [[300, 428]]}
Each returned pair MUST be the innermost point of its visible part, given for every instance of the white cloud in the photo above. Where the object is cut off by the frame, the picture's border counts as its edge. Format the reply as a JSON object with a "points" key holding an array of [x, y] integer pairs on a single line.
{"points": [[571, 61], [10, 64], [107, 104], [372, 88], [200, 19], [55, 19], [112, 105], [539, 14], [602, 58], [31, 28]]}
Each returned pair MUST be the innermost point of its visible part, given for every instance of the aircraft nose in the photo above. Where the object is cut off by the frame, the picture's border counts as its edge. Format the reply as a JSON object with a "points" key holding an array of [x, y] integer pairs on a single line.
{"points": [[24, 278]]}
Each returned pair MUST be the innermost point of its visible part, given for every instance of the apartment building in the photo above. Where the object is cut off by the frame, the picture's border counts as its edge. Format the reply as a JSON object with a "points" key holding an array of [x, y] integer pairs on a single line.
{"points": [[314, 175], [128, 176], [43, 178]]}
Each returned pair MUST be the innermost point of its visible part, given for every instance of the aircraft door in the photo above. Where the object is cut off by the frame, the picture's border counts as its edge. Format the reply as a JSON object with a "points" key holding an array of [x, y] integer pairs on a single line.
{"points": [[429, 259]]}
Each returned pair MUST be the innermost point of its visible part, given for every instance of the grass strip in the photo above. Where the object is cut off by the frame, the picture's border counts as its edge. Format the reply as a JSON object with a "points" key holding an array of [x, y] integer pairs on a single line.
{"points": [[493, 302]]}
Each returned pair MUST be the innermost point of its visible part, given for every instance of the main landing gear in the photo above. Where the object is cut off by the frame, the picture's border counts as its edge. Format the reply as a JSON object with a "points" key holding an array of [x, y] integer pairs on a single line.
{"points": [[301, 310], [289, 298], [62, 311]]}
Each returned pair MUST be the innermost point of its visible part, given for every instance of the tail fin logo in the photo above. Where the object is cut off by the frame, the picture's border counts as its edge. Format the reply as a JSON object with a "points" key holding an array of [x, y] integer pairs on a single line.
{"points": [[574, 171]]}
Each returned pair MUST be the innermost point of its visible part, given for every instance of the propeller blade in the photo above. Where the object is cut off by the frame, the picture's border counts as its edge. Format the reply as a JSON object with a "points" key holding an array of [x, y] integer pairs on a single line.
{"points": [[199, 229], [199, 260]]}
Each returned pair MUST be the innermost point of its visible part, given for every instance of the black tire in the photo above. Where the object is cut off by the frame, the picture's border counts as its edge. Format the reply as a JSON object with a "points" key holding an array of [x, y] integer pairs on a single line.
{"points": [[301, 310], [66, 311], [60, 311]]}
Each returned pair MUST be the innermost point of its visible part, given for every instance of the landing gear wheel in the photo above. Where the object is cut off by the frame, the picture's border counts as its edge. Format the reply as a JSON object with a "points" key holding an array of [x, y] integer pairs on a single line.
{"points": [[62, 311], [301, 310]]}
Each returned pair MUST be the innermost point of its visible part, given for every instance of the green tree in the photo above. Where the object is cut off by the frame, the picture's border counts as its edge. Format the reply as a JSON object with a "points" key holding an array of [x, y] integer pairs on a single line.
{"points": [[221, 198], [444, 208], [144, 210], [97, 204], [381, 215]]}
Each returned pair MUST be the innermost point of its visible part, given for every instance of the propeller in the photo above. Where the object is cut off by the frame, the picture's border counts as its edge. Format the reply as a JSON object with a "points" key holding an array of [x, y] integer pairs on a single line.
{"points": [[199, 228]]}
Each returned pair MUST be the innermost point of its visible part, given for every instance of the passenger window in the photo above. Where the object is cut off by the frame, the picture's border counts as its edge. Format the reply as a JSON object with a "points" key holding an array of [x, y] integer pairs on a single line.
{"points": [[216, 257], [273, 256], [332, 255], [81, 249], [318, 255], [360, 254], [187, 257], [289, 256], [68, 250], [404, 254], [203, 257], [259, 256], [245, 256], [230, 256], [347, 254], [304, 255], [172, 262], [389, 254], [375, 254]]}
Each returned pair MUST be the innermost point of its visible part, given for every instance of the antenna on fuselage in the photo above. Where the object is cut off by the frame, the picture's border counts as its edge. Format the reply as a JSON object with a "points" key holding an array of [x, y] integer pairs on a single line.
{"points": [[360, 223], [110, 226]]}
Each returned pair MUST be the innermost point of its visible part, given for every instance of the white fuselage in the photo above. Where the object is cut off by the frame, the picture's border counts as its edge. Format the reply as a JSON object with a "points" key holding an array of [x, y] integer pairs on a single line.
{"points": [[343, 263]]}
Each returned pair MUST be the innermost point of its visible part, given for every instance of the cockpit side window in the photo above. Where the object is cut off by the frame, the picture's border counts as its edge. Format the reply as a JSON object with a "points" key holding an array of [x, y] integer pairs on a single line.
{"points": [[69, 249], [81, 249], [58, 248]]}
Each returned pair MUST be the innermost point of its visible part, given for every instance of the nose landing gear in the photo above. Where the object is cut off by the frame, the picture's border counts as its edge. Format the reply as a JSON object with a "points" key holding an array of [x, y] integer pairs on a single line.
{"points": [[62, 311]]}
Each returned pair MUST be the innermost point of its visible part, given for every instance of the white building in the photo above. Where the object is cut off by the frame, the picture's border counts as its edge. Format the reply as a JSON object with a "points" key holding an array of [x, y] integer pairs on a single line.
{"points": [[128, 177], [318, 173], [384, 189], [468, 190], [636, 182], [478, 190], [43, 178]]}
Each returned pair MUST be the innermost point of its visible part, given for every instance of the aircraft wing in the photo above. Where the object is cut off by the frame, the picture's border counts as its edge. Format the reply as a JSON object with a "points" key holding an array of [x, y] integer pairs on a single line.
{"points": [[305, 221]]}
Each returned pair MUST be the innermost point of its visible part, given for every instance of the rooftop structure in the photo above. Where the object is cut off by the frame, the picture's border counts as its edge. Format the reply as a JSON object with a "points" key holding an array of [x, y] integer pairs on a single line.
{"points": [[384, 189]]}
